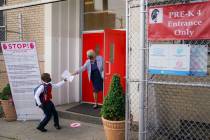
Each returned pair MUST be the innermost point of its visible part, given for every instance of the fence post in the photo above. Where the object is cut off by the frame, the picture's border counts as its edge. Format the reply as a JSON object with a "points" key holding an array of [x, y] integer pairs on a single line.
{"points": [[142, 71], [127, 69]]}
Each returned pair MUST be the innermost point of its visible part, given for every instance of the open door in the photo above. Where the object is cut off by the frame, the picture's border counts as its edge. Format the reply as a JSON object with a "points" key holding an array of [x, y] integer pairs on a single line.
{"points": [[115, 57], [111, 45], [93, 41]]}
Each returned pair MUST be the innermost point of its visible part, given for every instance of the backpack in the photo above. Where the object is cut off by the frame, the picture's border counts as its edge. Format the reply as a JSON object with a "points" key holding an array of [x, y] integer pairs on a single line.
{"points": [[35, 89]]}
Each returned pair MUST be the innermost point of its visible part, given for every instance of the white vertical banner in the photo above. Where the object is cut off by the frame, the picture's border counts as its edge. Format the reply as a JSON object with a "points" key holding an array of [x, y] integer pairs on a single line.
{"points": [[24, 75]]}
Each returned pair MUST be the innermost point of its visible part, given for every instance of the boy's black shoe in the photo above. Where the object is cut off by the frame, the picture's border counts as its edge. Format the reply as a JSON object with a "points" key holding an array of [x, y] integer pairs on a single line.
{"points": [[42, 129], [57, 127], [95, 106]]}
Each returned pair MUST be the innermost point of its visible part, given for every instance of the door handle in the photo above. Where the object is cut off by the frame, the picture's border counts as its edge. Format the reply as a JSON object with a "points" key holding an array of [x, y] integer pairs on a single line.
{"points": [[109, 67]]}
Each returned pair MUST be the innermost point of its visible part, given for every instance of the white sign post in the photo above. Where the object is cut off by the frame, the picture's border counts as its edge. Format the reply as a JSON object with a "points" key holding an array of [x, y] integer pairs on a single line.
{"points": [[24, 75]]}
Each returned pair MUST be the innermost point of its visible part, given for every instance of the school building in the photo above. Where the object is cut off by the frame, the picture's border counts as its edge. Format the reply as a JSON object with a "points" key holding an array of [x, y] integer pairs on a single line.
{"points": [[158, 106]]}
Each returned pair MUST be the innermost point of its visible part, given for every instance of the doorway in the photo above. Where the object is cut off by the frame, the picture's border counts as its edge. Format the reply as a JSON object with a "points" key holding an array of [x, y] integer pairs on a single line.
{"points": [[93, 41], [111, 45]]}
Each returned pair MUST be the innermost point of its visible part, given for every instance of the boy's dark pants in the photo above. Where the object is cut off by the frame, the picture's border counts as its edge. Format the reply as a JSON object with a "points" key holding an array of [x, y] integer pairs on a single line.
{"points": [[49, 110]]}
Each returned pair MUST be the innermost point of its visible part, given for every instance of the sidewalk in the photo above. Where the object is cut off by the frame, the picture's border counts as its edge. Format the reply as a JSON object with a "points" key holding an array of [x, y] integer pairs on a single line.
{"points": [[19, 130]]}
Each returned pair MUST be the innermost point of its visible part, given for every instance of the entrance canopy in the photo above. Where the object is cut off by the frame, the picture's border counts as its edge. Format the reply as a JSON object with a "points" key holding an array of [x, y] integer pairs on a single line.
{"points": [[28, 4]]}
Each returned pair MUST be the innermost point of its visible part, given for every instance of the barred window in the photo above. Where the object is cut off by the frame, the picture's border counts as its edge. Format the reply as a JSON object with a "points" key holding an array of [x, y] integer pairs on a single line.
{"points": [[2, 24]]}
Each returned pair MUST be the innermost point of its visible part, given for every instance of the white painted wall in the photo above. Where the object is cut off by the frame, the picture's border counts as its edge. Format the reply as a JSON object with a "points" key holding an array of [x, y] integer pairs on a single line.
{"points": [[62, 43], [47, 39]]}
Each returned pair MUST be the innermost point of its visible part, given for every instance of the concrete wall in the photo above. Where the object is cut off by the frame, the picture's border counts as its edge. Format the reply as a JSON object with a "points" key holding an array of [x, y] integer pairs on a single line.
{"points": [[64, 47]]}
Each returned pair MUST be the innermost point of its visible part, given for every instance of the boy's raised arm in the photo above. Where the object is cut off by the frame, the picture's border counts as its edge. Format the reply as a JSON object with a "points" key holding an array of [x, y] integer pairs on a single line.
{"points": [[59, 84]]}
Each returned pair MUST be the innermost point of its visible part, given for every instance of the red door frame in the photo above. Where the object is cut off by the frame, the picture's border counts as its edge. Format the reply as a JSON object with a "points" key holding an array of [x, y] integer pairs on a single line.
{"points": [[95, 41], [103, 39]]}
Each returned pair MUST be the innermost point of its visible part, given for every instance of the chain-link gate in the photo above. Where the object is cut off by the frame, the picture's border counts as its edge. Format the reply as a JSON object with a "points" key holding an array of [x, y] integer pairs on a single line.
{"points": [[175, 107]]}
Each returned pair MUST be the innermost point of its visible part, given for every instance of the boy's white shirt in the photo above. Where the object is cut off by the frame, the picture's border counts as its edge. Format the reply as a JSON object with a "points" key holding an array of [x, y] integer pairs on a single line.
{"points": [[41, 89]]}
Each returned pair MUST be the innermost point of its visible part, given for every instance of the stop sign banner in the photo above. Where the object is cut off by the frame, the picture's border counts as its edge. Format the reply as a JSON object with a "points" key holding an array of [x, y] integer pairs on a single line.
{"points": [[24, 75], [179, 22]]}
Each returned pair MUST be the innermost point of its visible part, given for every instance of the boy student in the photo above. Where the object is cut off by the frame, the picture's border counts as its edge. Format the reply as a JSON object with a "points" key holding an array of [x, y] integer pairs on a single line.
{"points": [[43, 98]]}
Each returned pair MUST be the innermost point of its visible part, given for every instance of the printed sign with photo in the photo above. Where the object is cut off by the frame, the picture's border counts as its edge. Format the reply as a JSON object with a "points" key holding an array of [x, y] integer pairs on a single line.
{"points": [[178, 59]]}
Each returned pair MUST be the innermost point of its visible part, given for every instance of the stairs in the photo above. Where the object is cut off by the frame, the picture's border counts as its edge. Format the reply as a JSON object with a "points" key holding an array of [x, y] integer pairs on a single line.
{"points": [[77, 116]]}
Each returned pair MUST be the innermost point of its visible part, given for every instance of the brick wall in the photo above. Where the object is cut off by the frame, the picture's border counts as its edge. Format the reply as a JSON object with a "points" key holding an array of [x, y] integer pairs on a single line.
{"points": [[177, 103], [33, 29], [3, 74]]}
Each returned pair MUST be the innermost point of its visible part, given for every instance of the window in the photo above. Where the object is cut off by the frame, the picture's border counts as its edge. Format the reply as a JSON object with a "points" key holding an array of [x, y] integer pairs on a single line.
{"points": [[111, 53], [101, 14], [2, 24]]}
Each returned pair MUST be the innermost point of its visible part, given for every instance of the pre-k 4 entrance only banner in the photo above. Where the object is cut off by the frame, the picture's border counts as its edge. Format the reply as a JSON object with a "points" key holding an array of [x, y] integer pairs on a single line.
{"points": [[179, 22], [24, 75]]}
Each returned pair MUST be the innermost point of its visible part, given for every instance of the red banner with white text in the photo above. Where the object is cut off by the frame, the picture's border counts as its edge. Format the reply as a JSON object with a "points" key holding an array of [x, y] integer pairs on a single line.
{"points": [[179, 22]]}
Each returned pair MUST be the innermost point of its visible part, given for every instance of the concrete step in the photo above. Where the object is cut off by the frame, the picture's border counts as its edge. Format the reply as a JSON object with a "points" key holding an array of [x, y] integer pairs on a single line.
{"points": [[63, 113]]}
